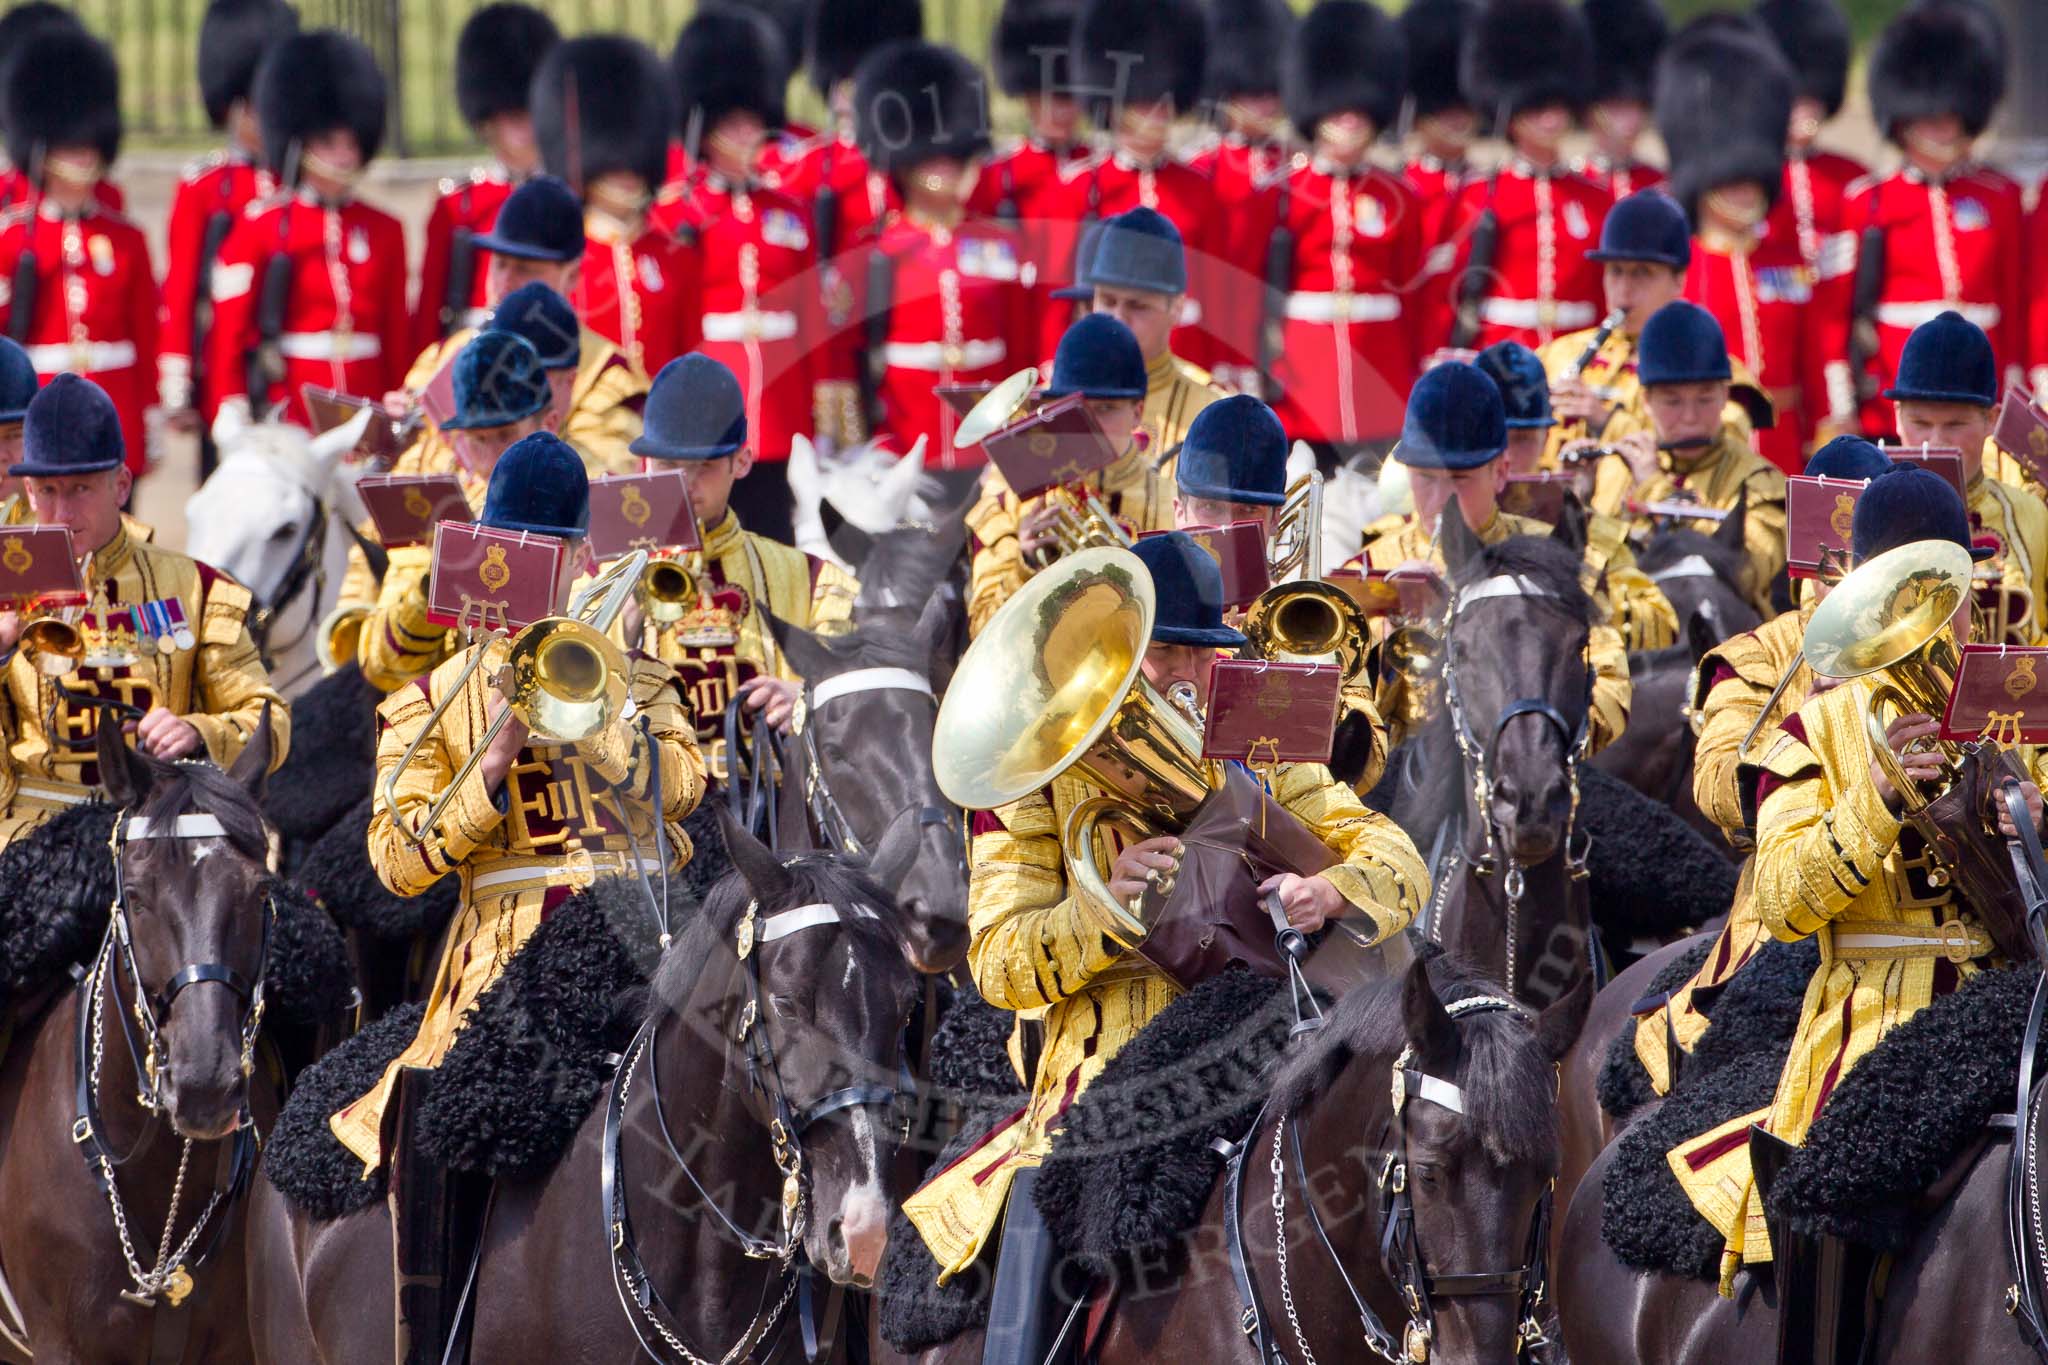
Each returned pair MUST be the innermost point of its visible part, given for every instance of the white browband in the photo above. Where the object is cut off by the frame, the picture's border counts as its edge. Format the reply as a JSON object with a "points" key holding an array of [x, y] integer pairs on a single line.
{"points": [[1423, 1086], [783, 923], [869, 680], [183, 827], [1501, 585], [1411, 1083], [1692, 566]]}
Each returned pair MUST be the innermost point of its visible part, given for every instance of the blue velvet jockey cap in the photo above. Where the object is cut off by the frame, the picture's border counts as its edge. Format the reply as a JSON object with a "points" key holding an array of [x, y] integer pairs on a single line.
{"points": [[1455, 420], [1682, 344], [1646, 226], [542, 220], [1100, 358], [17, 381], [544, 318], [1140, 249], [695, 411], [1524, 387], [1235, 451], [1084, 258], [1905, 504], [539, 486], [498, 381], [1947, 360], [70, 427], [1189, 591], [1847, 457]]}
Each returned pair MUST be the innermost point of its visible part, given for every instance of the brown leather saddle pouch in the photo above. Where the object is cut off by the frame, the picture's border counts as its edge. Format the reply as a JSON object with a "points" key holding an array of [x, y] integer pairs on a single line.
{"points": [[1961, 830]]}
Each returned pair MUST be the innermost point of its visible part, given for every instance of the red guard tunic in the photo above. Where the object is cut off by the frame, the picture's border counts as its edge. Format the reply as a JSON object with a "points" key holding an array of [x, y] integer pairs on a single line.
{"points": [[15, 189], [1954, 243], [959, 313], [1771, 310], [1619, 178], [805, 169], [470, 205], [95, 305], [1812, 210], [1247, 176], [762, 313], [2037, 297], [216, 189], [1349, 351], [345, 322], [1541, 283], [1032, 179], [642, 292], [1116, 183]]}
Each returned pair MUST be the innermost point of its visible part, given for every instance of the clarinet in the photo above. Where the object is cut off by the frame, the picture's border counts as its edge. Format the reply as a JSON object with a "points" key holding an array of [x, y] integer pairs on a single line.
{"points": [[1598, 339]]}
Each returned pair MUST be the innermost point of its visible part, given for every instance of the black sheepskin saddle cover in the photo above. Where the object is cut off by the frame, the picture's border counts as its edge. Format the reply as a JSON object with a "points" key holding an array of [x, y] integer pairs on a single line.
{"points": [[1894, 1125], [1131, 1167], [335, 867], [1651, 874], [333, 760], [526, 1069], [57, 890]]}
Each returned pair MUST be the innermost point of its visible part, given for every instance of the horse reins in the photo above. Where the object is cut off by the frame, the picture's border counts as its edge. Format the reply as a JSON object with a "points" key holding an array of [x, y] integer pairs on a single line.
{"points": [[786, 1126], [171, 1277], [308, 566]]}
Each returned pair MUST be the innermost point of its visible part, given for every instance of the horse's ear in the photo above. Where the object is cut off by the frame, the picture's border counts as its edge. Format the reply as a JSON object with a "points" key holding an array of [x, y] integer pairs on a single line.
{"points": [[768, 881], [897, 853], [1430, 1027], [251, 767], [1702, 630], [1557, 1028], [810, 656], [934, 621], [848, 541], [1733, 527], [1570, 530], [899, 482], [125, 774], [1459, 543]]}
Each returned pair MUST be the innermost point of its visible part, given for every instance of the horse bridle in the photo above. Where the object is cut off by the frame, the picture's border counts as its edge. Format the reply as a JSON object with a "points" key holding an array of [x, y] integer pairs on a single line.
{"points": [[1478, 758], [1401, 1257], [171, 1277], [786, 1124], [308, 565]]}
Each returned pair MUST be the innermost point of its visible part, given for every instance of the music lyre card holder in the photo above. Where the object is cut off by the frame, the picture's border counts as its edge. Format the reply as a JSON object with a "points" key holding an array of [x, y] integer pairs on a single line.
{"points": [[1819, 515], [642, 512], [1946, 461], [2001, 694], [1263, 713], [486, 579], [1239, 550], [37, 568], [1058, 444], [405, 508], [383, 438], [2022, 432]]}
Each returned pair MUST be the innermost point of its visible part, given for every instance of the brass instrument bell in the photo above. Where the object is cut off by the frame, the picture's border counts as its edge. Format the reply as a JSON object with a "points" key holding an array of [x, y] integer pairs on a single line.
{"points": [[1301, 618], [340, 637], [666, 590]]}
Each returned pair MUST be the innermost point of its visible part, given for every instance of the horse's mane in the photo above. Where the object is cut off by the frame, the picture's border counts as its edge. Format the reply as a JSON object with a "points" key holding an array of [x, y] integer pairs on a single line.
{"points": [[1552, 566], [818, 878], [177, 788], [1670, 544], [1510, 1091]]}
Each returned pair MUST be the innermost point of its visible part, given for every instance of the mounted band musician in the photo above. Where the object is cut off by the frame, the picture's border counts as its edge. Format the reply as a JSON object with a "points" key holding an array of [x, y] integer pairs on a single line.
{"points": [[523, 818], [1872, 855], [163, 643], [1068, 954]]}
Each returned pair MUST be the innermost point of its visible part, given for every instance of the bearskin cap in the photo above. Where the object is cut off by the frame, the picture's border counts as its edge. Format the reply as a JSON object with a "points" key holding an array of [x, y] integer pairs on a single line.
{"points": [[1436, 31], [63, 90], [1030, 49], [1627, 36], [843, 32], [728, 58], [1940, 58], [1347, 54], [913, 101], [1723, 100], [1140, 52], [1526, 54], [500, 48], [1814, 36], [616, 96], [1248, 41], [787, 18], [316, 81], [233, 37]]}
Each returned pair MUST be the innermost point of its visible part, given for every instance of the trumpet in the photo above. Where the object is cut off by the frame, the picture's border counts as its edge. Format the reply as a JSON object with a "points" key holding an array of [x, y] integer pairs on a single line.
{"points": [[56, 639], [561, 676], [1083, 522], [1301, 618], [665, 589]]}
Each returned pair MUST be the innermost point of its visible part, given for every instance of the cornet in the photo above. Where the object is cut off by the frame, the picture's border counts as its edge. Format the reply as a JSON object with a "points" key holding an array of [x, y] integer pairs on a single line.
{"points": [[665, 590], [1301, 618]]}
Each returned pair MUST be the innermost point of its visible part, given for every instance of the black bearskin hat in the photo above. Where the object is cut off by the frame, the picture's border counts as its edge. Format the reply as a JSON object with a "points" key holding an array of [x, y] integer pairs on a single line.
{"points": [[728, 58], [913, 101], [1140, 52], [500, 48], [843, 32], [1942, 58], [1526, 54], [1627, 36], [1031, 45], [233, 37], [616, 96], [1814, 36], [63, 90], [787, 18], [1347, 54], [1247, 47], [22, 23], [1724, 97], [1437, 31], [311, 83]]}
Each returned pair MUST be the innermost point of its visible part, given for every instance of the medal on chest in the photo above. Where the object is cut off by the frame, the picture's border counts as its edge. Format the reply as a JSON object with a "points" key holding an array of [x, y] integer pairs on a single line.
{"points": [[358, 247], [650, 274]]}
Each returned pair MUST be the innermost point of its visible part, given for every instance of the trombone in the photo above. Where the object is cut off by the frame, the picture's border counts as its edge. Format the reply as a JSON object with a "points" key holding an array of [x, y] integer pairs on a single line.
{"points": [[561, 676], [665, 590], [1301, 618]]}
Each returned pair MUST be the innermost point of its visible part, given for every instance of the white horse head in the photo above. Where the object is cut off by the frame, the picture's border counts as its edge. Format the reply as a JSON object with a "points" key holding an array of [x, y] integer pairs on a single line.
{"points": [[871, 486]]}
